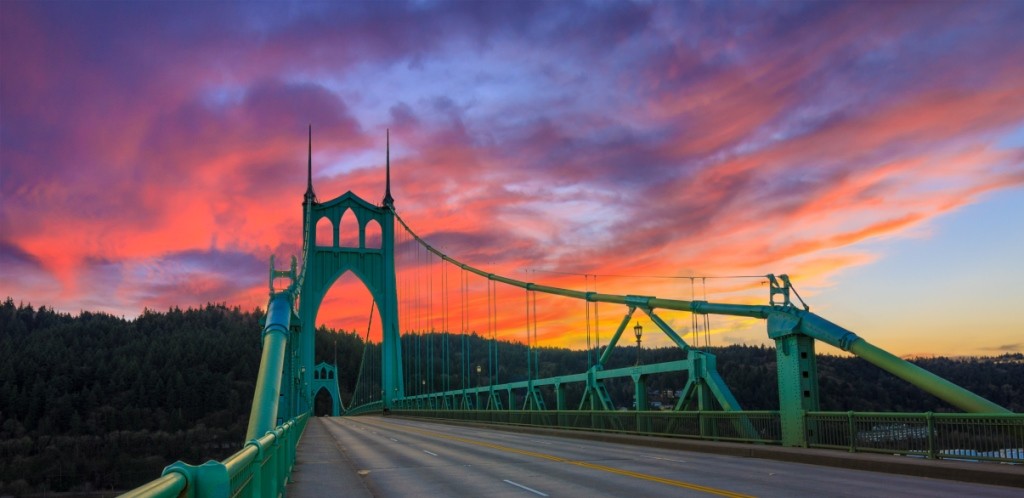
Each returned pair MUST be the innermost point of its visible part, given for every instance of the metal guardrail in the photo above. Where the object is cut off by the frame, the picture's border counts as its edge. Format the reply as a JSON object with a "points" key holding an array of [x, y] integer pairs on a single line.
{"points": [[982, 437], [747, 426], [959, 436], [261, 468], [372, 408]]}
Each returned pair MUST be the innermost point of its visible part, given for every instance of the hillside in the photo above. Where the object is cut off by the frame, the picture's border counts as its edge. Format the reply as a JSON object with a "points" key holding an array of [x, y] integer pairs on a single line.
{"points": [[95, 401]]}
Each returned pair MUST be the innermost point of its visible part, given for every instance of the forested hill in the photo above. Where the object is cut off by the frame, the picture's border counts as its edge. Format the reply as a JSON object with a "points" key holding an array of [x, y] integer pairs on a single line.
{"points": [[95, 401]]}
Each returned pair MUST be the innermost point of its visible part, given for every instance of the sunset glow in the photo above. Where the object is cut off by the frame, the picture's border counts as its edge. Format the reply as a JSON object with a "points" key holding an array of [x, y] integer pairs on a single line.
{"points": [[153, 154]]}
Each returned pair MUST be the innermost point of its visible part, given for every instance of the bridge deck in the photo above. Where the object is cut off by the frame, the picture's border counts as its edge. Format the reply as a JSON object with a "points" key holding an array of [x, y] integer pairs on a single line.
{"points": [[322, 468], [405, 457]]}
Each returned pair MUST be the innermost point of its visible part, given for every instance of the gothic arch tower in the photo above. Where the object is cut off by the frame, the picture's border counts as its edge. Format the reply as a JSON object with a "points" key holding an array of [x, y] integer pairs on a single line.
{"points": [[369, 258]]}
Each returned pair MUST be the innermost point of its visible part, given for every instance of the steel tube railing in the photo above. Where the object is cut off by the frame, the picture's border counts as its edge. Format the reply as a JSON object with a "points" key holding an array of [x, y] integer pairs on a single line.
{"points": [[168, 486], [990, 437]]}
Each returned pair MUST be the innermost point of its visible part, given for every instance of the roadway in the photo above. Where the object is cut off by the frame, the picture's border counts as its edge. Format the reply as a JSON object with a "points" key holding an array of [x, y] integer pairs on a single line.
{"points": [[377, 456]]}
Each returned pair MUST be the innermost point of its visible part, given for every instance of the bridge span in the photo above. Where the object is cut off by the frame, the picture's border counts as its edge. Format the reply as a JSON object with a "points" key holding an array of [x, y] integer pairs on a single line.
{"points": [[433, 358], [396, 456]]}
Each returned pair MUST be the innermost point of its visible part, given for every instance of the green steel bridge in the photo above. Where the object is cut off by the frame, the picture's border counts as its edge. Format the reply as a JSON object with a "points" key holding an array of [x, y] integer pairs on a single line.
{"points": [[400, 375]]}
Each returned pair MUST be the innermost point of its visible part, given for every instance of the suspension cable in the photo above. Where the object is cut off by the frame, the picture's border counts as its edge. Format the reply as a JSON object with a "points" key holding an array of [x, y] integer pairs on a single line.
{"points": [[694, 335], [529, 352], [615, 275], [707, 320], [536, 344], [597, 318], [586, 285]]}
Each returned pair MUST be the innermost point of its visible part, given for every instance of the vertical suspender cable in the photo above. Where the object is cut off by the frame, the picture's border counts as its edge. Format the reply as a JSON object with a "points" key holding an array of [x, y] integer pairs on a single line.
{"points": [[707, 320], [493, 330], [430, 318], [586, 285], [597, 319], [694, 336], [536, 346], [464, 280], [529, 352]]}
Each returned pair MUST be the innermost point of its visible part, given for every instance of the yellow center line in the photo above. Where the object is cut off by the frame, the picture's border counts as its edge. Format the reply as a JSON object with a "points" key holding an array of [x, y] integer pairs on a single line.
{"points": [[594, 466]]}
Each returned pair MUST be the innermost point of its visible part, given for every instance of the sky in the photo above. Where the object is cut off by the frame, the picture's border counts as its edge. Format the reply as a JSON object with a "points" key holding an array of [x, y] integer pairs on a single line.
{"points": [[152, 154]]}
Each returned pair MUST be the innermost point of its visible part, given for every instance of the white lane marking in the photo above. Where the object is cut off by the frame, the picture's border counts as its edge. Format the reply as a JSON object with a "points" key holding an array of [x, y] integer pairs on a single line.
{"points": [[393, 439], [669, 460], [516, 484], [430, 453]]}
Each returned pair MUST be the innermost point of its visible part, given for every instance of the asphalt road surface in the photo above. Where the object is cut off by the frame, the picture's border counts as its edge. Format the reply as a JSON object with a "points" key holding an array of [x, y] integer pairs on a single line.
{"points": [[377, 456]]}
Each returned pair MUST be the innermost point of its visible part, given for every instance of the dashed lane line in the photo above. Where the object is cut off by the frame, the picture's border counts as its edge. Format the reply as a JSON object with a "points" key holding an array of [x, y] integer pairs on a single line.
{"points": [[579, 463]]}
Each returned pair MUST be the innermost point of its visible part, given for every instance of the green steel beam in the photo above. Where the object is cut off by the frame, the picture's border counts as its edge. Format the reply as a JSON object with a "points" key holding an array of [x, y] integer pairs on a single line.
{"points": [[263, 416], [823, 330], [666, 329], [654, 368], [615, 337]]}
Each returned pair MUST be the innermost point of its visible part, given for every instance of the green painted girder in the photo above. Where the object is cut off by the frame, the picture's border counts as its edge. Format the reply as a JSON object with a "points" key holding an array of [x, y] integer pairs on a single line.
{"points": [[533, 400], [700, 366], [615, 337], [671, 366], [783, 321], [595, 394]]}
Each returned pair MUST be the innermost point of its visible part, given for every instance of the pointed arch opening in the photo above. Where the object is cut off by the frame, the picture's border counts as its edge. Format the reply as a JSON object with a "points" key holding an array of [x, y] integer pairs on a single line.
{"points": [[342, 322], [373, 234], [325, 232], [348, 230], [346, 307], [323, 405]]}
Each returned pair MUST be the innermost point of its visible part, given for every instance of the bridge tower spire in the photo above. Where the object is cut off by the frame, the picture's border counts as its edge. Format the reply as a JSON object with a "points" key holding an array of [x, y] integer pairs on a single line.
{"points": [[310, 195], [389, 202]]}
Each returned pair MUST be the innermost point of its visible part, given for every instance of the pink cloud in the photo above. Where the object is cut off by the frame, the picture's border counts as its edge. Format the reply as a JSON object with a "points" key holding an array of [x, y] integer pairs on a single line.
{"points": [[741, 142]]}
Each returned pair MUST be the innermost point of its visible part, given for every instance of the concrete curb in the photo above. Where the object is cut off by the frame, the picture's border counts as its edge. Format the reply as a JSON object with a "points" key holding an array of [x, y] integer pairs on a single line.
{"points": [[976, 472]]}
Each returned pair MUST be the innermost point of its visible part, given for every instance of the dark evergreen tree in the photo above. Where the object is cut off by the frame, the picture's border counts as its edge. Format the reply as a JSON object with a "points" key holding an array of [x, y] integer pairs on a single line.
{"points": [[95, 401]]}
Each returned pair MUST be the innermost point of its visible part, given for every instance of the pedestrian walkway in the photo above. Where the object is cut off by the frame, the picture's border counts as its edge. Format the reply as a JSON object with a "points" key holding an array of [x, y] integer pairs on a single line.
{"points": [[322, 468]]}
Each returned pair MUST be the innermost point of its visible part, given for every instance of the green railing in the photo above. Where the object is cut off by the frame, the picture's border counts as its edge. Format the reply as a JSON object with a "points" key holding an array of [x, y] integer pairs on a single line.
{"points": [[992, 437], [261, 468], [989, 437], [747, 426], [372, 408]]}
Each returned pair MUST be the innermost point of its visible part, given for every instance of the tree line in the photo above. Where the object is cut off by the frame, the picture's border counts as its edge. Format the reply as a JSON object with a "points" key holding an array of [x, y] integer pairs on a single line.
{"points": [[98, 402]]}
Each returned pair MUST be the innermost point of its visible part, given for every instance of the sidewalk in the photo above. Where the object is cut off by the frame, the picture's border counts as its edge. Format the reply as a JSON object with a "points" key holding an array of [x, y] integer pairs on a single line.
{"points": [[321, 468]]}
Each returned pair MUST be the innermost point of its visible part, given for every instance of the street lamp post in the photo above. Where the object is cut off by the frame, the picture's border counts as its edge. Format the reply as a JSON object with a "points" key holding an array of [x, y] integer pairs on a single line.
{"points": [[479, 376], [638, 331]]}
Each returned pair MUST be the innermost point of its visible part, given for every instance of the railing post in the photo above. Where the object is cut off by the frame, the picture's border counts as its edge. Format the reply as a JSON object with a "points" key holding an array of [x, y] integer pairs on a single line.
{"points": [[270, 473], [256, 484], [280, 463], [209, 480], [853, 431], [932, 450]]}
